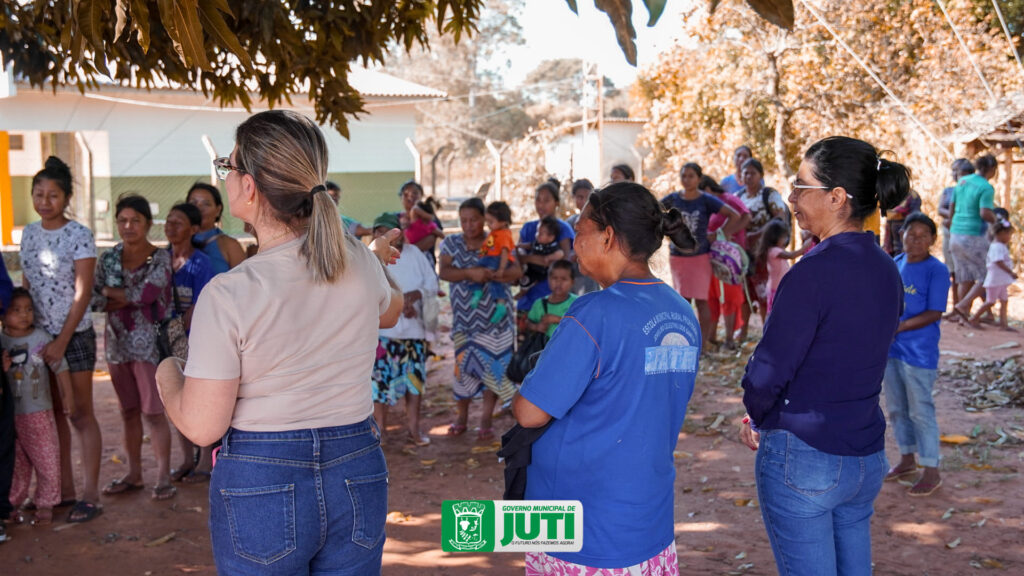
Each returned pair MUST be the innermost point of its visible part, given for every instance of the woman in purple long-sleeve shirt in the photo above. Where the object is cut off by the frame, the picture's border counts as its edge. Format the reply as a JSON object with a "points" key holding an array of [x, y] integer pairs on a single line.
{"points": [[811, 387]]}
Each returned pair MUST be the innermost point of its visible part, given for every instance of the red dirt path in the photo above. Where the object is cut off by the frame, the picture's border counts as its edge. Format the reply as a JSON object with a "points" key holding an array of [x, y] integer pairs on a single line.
{"points": [[718, 529]]}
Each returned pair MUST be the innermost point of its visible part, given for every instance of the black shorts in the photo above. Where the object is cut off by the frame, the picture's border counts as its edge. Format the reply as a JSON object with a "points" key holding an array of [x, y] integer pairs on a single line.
{"points": [[81, 351]]}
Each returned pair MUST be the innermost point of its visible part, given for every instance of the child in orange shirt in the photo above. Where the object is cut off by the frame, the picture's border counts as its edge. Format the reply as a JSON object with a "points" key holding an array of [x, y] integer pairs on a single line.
{"points": [[497, 251]]}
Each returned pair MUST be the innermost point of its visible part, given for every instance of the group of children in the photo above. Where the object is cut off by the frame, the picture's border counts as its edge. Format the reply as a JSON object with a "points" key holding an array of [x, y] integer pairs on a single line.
{"points": [[500, 250]]}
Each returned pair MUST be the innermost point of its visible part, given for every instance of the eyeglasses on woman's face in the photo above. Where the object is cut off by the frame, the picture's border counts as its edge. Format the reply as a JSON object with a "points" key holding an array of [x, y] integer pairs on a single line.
{"points": [[798, 186], [223, 166]]}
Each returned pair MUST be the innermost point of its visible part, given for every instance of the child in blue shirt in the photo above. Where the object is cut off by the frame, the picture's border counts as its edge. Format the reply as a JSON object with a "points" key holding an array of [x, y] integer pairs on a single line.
{"points": [[914, 357]]}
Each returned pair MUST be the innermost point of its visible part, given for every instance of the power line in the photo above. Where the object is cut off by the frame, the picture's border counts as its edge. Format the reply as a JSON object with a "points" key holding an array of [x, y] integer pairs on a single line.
{"points": [[913, 118], [963, 45], [1006, 30], [977, 68]]}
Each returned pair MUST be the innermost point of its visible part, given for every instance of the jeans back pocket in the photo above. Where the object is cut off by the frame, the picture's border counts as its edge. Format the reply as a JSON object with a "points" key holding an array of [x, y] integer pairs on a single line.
{"points": [[810, 471], [369, 508], [262, 521]]}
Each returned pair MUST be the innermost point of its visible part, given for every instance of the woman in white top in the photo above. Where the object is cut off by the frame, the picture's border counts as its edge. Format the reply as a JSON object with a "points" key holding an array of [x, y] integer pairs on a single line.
{"points": [[58, 257], [280, 356], [401, 366]]}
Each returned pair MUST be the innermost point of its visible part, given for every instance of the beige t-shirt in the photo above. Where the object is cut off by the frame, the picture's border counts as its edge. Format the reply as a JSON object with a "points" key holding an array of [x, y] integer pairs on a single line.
{"points": [[303, 353]]}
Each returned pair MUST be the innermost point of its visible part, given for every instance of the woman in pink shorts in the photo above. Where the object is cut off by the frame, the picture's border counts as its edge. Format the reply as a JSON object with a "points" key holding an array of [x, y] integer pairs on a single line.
{"points": [[133, 285]]}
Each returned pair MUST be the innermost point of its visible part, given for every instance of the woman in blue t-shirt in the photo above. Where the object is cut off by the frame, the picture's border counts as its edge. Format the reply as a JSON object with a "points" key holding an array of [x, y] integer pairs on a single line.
{"points": [[615, 378], [545, 202], [691, 273]]}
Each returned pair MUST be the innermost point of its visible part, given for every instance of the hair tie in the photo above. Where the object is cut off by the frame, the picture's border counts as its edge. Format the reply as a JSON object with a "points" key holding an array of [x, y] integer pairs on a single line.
{"points": [[317, 188], [878, 168]]}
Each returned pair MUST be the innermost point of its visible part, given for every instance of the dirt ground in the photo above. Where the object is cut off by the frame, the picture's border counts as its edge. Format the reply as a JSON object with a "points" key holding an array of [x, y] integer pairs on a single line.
{"points": [[973, 524]]}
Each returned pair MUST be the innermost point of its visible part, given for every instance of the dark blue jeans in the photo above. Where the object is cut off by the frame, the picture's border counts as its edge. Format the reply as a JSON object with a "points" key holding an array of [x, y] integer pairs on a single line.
{"points": [[300, 502], [817, 506]]}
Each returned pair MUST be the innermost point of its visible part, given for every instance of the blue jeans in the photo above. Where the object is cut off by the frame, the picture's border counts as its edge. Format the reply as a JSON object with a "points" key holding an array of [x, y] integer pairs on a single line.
{"points": [[817, 506], [300, 502], [908, 398]]}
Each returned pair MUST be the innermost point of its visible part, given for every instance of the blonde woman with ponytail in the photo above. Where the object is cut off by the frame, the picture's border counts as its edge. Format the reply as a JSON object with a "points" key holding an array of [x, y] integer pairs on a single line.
{"points": [[282, 381]]}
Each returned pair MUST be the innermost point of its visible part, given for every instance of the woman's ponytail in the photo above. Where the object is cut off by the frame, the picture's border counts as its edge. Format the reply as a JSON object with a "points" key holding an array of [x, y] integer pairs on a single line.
{"points": [[892, 184], [324, 247], [286, 155]]}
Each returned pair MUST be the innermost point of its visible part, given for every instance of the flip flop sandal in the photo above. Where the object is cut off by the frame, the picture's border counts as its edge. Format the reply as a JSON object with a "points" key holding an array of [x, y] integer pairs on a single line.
{"points": [[895, 475], [84, 511], [196, 477], [923, 488], [485, 434], [456, 429], [119, 486], [179, 473], [165, 492]]}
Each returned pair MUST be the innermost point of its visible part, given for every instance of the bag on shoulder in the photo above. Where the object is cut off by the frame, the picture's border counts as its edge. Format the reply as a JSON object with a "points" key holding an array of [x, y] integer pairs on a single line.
{"points": [[729, 261], [171, 338], [526, 355]]}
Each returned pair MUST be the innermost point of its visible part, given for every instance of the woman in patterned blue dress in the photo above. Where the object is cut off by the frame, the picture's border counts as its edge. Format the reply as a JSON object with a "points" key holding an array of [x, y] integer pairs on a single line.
{"points": [[482, 349]]}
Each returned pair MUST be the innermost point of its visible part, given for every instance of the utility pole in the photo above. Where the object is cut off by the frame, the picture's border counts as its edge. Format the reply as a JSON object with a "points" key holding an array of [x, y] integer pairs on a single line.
{"points": [[591, 77]]}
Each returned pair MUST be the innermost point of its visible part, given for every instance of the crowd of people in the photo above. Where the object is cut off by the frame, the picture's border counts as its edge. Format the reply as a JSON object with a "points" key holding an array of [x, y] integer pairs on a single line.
{"points": [[295, 407]]}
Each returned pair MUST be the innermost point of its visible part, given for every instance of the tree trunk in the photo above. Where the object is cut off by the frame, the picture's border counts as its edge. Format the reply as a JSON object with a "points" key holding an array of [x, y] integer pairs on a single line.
{"points": [[781, 117]]}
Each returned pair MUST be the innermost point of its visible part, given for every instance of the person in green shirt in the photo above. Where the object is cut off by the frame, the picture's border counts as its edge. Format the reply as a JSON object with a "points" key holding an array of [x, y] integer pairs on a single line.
{"points": [[970, 212], [546, 313]]}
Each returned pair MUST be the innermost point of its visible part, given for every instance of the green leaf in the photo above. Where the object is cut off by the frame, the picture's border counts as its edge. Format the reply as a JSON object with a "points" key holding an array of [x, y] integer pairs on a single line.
{"points": [[91, 17], [778, 12], [573, 7], [655, 8], [217, 28], [140, 22], [620, 13], [121, 9]]}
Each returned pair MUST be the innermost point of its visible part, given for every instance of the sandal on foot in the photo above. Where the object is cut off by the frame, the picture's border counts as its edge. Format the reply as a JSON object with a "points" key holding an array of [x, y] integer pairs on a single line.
{"points": [[456, 429], [165, 492], [178, 473], [196, 477], [485, 434], [923, 488], [84, 511], [120, 486], [895, 474]]}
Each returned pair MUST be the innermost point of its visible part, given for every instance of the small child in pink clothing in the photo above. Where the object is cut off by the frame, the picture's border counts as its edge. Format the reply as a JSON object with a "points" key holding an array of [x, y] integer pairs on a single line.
{"points": [[36, 447], [773, 250], [422, 221]]}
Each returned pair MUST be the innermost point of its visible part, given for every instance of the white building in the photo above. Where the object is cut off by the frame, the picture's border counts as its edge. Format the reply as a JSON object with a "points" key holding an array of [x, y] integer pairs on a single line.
{"points": [[590, 153], [159, 142]]}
